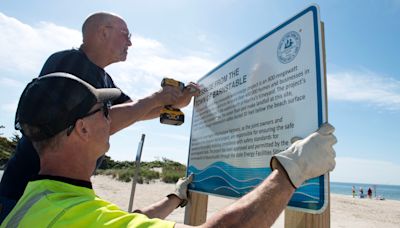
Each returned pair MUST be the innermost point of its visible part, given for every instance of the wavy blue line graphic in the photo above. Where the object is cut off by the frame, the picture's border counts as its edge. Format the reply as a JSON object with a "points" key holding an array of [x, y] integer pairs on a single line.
{"points": [[221, 178], [207, 178], [216, 167], [311, 201], [308, 184], [223, 188], [306, 195]]}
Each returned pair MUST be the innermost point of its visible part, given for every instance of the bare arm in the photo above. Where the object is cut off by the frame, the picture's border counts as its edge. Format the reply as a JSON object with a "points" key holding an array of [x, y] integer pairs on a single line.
{"points": [[123, 115], [259, 208], [162, 208]]}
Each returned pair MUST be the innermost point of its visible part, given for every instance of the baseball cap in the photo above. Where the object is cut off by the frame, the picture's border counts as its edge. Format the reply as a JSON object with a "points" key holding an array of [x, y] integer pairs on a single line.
{"points": [[53, 102]]}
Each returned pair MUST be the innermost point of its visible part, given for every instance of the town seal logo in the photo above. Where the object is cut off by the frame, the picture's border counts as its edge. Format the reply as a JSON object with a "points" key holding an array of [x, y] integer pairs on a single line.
{"points": [[288, 47]]}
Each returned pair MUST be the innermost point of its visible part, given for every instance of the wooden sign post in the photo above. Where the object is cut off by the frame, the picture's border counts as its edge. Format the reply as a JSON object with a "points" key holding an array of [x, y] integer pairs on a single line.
{"points": [[196, 209]]}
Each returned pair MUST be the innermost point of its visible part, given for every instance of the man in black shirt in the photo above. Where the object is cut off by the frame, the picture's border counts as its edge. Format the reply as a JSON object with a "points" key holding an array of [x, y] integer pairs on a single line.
{"points": [[106, 40]]}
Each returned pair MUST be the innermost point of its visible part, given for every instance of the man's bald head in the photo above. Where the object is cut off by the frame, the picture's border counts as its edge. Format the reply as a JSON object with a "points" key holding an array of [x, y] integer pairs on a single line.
{"points": [[106, 38], [96, 20]]}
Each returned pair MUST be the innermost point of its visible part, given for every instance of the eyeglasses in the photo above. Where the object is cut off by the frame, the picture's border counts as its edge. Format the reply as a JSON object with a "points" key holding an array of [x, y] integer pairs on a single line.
{"points": [[105, 108], [127, 34], [106, 112]]}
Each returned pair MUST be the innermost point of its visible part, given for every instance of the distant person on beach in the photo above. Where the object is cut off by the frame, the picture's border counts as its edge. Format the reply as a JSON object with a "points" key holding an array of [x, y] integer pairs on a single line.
{"points": [[361, 192], [106, 39], [76, 129], [369, 193], [353, 190]]}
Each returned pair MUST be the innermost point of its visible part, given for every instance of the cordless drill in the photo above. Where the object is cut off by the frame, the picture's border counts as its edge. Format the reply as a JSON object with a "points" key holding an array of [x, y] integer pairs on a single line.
{"points": [[170, 115]]}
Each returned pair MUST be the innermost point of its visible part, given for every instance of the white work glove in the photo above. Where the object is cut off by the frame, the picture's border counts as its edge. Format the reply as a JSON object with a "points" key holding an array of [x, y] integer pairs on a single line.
{"points": [[181, 189], [309, 157]]}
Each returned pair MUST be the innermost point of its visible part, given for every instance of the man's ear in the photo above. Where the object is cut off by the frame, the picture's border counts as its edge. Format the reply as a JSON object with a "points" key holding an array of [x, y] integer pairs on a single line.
{"points": [[104, 32], [82, 130]]}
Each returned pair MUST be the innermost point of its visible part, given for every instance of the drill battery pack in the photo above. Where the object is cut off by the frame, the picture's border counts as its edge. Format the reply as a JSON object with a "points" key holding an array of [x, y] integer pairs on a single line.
{"points": [[168, 114], [172, 116]]}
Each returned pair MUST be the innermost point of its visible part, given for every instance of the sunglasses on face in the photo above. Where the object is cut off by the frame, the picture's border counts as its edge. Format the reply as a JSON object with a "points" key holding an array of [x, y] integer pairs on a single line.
{"points": [[105, 108], [106, 112]]}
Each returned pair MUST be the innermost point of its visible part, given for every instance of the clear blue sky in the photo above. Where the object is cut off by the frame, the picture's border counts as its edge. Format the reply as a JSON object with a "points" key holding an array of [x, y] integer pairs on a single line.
{"points": [[186, 39]]}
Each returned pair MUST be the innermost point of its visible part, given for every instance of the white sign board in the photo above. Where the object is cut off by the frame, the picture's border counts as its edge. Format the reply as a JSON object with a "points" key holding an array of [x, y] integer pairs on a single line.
{"points": [[250, 107]]}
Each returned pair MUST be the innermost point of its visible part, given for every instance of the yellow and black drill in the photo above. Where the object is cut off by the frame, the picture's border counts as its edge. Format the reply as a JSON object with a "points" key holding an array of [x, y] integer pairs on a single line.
{"points": [[170, 115]]}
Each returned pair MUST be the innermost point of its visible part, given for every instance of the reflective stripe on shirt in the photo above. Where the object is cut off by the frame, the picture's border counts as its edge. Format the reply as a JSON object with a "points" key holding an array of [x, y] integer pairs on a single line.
{"points": [[19, 215]]}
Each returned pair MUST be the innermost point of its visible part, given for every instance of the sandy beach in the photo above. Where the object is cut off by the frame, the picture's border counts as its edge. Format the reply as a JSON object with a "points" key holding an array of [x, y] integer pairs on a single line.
{"points": [[345, 210]]}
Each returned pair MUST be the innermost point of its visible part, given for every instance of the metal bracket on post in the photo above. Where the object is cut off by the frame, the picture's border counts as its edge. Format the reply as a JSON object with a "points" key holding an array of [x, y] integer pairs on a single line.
{"points": [[137, 169]]}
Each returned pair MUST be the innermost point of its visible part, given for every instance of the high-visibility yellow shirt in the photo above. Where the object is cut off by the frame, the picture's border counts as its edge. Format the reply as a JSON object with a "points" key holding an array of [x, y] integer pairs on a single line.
{"points": [[52, 202]]}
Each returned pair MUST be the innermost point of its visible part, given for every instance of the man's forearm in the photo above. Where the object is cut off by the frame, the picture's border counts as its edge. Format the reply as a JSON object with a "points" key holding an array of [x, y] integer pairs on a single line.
{"points": [[266, 201], [154, 113], [126, 114], [162, 208], [123, 115]]}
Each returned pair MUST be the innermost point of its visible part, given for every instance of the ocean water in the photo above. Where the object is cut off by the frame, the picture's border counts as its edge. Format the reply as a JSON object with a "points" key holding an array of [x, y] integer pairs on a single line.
{"points": [[391, 192]]}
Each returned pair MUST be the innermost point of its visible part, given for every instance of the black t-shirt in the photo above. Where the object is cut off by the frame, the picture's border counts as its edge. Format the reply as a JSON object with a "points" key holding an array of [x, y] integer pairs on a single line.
{"points": [[25, 163]]}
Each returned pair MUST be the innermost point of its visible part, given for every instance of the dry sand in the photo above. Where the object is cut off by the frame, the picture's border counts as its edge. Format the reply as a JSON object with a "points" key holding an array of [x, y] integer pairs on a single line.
{"points": [[345, 210]]}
